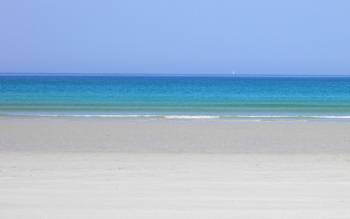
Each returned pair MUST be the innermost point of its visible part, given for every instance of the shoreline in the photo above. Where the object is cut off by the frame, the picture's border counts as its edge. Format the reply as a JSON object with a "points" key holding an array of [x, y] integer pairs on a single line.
{"points": [[189, 117]]}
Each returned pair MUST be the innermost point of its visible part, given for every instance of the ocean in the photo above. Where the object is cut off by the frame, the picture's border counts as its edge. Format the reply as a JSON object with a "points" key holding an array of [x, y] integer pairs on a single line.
{"points": [[175, 96]]}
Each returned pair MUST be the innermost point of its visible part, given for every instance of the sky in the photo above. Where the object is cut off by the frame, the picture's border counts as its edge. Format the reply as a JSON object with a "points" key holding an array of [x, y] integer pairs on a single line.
{"points": [[175, 36]]}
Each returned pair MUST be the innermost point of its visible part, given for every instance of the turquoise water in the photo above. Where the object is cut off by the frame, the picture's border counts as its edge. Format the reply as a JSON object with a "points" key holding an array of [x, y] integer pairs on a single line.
{"points": [[325, 97]]}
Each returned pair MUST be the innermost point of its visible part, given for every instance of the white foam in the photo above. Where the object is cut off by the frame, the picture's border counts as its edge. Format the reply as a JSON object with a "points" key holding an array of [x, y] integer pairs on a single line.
{"points": [[171, 116], [266, 116], [110, 116], [191, 117], [331, 117], [295, 116]]}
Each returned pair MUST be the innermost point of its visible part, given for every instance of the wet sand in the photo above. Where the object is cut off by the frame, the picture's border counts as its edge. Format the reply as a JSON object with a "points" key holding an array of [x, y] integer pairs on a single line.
{"points": [[172, 136]]}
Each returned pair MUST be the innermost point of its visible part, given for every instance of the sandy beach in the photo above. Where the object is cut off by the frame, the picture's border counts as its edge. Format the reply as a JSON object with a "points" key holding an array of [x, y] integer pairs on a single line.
{"points": [[149, 168], [173, 136], [182, 109]]}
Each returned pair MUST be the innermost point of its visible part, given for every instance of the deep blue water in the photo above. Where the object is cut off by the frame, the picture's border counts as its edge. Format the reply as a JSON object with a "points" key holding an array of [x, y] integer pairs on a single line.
{"points": [[224, 96]]}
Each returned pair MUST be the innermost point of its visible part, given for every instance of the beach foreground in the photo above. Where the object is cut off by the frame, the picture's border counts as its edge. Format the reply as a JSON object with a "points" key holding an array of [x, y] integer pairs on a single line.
{"points": [[115, 168]]}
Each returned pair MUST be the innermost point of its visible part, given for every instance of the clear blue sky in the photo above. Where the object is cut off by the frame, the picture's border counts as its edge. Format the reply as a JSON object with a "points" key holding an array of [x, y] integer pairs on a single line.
{"points": [[175, 36]]}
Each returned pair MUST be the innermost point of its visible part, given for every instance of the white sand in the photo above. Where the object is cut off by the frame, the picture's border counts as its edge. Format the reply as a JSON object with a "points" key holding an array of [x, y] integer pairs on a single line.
{"points": [[172, 136], [100, 185], [97, 179]]}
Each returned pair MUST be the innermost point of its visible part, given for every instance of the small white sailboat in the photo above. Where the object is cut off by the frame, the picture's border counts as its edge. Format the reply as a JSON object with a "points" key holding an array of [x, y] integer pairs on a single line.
{"points": [[233, 74]]}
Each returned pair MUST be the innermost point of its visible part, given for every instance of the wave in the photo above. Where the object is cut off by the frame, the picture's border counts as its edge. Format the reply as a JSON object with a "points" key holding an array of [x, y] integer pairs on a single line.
{"points": [[296, 116], [191, 117], [181, 117], [331, 117], [123, 116]]}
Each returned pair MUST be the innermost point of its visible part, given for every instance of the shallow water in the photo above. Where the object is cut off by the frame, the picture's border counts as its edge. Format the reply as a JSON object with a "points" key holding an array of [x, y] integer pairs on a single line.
{"points": [[172, 97]]}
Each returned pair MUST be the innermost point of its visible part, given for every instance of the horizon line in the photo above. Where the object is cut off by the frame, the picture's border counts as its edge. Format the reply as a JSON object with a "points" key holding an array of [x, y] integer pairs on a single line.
{"points": [[170, 74]]}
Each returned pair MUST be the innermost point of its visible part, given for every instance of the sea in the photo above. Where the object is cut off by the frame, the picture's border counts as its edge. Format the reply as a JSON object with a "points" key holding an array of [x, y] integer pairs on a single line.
{"points": [[175, 97]]}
